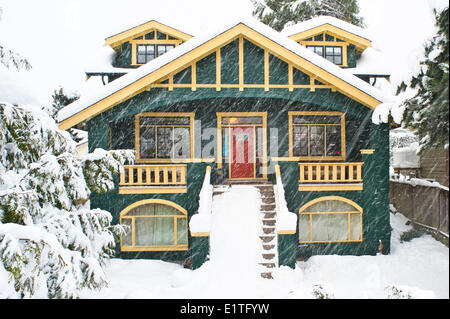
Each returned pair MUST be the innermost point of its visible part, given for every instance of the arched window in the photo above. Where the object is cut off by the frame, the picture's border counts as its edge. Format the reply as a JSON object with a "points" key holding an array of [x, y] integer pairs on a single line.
{"points": [[330, 219], [156, 225]]}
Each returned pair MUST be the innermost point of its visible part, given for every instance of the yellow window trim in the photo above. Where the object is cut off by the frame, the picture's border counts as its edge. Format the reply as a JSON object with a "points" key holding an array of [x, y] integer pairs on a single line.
{"points": [[360, 42], [200, 234], [358, 208], [204, 50], [153, 190], [176, 247], [367, 151], [291, 114], [326, 198], [342, 45], [153, 201], [158, 114], [122, 37], [330, 187], [263, 115]]}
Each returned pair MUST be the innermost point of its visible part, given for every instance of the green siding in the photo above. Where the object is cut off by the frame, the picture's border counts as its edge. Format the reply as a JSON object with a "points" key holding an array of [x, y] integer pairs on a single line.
{"points": [[360, 134]]}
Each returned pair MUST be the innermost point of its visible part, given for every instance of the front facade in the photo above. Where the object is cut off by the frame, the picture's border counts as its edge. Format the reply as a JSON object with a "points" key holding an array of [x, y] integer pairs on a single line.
{"points": [[248, 104]]}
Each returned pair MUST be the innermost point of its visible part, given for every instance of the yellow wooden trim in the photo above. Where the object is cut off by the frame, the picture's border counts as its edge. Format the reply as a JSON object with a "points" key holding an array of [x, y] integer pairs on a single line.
{"points": [[359, 211], [156, 248], [137, 31], [290, 77], [219, 138], [200, 234], [326, 198], [266, 70], [152, 201], [205, 49], [241, 63], [153, 190], [194, 76], [360, 42], [218, 70], [325, 43], [286, 232], [191, 116], [368, 151], [291, 157], [175, 160], [330, 187], [330, 242]]}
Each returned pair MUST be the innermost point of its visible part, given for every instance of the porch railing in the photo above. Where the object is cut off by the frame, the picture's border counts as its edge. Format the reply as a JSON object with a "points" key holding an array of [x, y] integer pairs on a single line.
{"points": [[153, 175], [328, 173]]}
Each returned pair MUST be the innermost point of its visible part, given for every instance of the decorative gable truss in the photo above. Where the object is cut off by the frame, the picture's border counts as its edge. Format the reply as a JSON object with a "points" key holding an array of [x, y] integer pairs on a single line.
{"points": [[138, 40], [242, 63], [242, 57]]}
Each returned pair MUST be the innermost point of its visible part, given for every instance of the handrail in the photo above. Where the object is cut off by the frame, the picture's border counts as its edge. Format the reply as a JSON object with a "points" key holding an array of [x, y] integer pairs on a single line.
{"points": [[153, 175], [330, 172]]}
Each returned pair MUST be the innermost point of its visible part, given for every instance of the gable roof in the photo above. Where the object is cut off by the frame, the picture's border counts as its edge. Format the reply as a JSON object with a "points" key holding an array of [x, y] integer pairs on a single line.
{"points": [[354, 34], [182, 56], [124, 36]]}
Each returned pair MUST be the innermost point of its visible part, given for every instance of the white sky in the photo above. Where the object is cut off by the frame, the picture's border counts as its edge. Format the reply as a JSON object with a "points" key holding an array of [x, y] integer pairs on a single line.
{"points": [[62, 38]]}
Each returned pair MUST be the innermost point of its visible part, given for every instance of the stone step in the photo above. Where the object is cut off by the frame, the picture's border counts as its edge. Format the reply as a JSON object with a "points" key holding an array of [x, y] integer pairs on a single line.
{"points": [[267, 275], [266, 239], [268, 200], [267, 207], [268, 247], [268, 265], [269, 230], [269, 215], [269, 222], [268, 256]]}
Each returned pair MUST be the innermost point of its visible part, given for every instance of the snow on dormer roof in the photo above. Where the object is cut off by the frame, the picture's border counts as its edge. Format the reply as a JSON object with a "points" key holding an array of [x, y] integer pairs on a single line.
{"points": [[136, 80]]}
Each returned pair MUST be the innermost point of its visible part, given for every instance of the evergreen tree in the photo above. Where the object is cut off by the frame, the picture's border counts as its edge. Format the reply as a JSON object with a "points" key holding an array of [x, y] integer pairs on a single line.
{"points": [[427, 112], [51, 243], [10, 58], [60, 100], [281, 13]]}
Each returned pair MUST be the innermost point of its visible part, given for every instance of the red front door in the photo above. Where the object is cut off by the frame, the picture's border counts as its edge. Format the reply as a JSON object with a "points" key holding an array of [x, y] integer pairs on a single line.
{"points": [[242, 152]]}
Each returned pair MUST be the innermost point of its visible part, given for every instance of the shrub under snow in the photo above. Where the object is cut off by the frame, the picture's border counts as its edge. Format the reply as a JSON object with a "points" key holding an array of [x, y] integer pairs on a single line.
{"points": [[51, 243]]}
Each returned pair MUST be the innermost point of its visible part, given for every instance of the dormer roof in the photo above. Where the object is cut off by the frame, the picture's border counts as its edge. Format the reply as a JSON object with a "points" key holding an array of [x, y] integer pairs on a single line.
{"points": [[339, 28], [116, 40], [140, 79]]}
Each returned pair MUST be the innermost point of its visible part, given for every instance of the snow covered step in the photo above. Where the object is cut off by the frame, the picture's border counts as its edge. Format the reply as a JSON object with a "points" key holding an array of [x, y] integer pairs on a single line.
{"points": [[269, 222], [269, 230], [268, 200], [269, 215], [267, 207], [266, 239], [269, 256]]}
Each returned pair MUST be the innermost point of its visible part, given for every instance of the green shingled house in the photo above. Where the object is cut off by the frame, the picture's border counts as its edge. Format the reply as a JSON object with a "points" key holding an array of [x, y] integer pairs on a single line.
{"points": [[243, 104]]}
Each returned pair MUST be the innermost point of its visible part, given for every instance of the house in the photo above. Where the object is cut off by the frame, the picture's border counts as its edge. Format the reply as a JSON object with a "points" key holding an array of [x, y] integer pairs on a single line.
{"points": [[243, 103]]}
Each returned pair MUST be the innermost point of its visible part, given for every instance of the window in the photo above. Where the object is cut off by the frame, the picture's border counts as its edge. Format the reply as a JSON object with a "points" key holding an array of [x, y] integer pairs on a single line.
{"points": [[330, 219], [317, 134], [154, 225], [148, 52], [164, 135], [331, 53]]}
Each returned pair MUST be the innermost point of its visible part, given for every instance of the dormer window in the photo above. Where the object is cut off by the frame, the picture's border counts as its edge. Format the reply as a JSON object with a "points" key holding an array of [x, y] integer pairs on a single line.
{"points": [[331, 53], [148, 52]]}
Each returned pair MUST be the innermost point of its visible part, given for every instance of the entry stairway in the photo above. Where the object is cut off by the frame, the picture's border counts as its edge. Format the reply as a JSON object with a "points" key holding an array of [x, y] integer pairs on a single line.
{"points": [[268, 260]]}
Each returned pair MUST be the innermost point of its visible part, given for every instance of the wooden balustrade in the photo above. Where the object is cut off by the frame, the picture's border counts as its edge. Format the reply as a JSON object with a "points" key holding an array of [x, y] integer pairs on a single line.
{"points": [[317, 174], [153, 175]]}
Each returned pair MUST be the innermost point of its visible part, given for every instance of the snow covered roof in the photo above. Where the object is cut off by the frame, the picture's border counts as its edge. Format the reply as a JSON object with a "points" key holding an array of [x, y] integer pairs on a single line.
{"points": [[133, 82], [372, 62], [121, 37], [323, 20], [319, 24]]}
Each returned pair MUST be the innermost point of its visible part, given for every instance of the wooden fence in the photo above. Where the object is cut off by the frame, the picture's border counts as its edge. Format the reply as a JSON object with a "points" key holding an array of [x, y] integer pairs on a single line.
{"points": [[424, 205]]}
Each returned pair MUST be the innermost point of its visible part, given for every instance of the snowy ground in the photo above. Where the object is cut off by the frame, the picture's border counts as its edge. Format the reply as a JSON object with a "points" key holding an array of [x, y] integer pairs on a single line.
{"points": [[418, 268]]}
